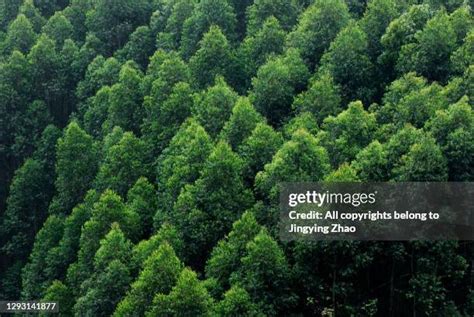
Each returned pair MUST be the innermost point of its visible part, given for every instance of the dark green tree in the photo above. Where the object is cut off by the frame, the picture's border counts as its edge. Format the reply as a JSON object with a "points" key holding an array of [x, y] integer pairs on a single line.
{"points": [[237, 302], [255, 49], [30, 192], [453, 130], [269, 289], [142, 200], [125, 100], [207, 13], [277, 81], [378, 15], [20, 36], [214, 57], [348, 62], [300, 159], [28, 134], [109, 209], [225, 257], [322, 99], [30, 10], [370, 163], [188, 297], [429, 53], [100, 72], [424, 162], [213, 107], [160, 273], [76, 165], [58, 28], [261, 10], [401, 31], [123, 164], [59, 292], [304, 120], [317, 27], [111, 277], [205, 210], [241, 123], [345, 135], [113, 21], [8, 11], [34, 281], [258, 149], [63, 254], [139, 47], [180, 164], [165, 234], [170, 36], [96, 113]]}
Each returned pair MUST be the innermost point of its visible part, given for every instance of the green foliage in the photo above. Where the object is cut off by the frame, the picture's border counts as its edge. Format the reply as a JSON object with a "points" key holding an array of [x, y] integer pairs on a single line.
{"points": [[188, 298], [207, 13], [213, 107], [277, 81], [75, 168], [180, 164], [64, 253], [109, 209], [107, 290], [317, 27], [453, 130], [284, 11], [100, 72], [113, 21], [8, 11], [225, 257], [33, 284], [214, 57], [370, 164], [180, 121], [141, 199], [299, 159], [257, 48], [258, 149], [30, 193], [166, 234], [377, 17], [241, 123], [123, 164], [125, 100], [205, 210], [322, 98], [58, 28], [20, 35], [237, 302], [345, 173], [160, 272], [28, 134], [463, 56], [345, 135], [423, 162], [170, 36], [139, 47], [269, 289], [401, 31], [348, 62], [304, 120], [111, 278], [59, 292], [429, 53]]}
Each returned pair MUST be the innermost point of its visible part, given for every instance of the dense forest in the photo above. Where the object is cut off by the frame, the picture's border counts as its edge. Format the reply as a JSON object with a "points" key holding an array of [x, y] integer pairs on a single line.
{"points": [[143, 143]]}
